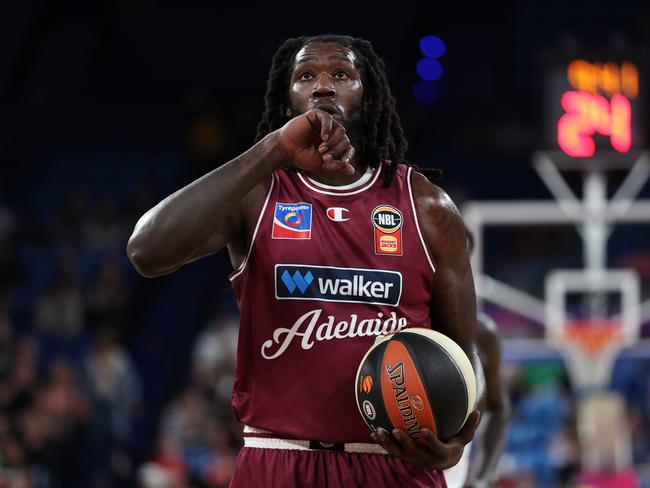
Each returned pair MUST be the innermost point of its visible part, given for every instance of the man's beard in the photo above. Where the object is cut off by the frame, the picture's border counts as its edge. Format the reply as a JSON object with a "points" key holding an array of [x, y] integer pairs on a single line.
{"points": [[354, 131]]}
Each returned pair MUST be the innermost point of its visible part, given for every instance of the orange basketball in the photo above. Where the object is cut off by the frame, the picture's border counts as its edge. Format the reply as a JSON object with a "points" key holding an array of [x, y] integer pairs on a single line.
{"points": [[413, 379]]}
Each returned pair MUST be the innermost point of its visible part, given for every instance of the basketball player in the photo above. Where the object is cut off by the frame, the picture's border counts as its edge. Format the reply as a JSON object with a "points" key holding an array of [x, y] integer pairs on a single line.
{"points": [[334, 241], [489, 440]]}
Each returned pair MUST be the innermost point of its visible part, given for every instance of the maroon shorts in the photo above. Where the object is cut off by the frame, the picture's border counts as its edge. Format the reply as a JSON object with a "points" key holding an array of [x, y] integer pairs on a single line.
{"points": [[280, 468]]}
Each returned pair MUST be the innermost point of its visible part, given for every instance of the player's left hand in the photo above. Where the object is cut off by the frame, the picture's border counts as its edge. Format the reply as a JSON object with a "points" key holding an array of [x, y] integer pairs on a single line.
{"points": [[434, 453]]}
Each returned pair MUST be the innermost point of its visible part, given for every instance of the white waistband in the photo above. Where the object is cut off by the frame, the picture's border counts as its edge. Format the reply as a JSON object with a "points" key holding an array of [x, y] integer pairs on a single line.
{"points": [[253, 430], [297, 445]]}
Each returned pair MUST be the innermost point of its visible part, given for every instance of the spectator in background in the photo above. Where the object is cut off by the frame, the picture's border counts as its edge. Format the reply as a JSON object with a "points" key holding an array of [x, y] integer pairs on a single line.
{"points": [[22, 382], [218, 473], [168, 466], [108, 298], [195, 441], [41, 422], [102, 228], [215, 355], [50, 428], [5, 345], [114, 393], [61, 309], [184, 422], [489, 441], [70, 216]]}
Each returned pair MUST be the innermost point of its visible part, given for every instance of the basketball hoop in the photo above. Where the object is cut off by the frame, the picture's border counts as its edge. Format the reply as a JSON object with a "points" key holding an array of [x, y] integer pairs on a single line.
{"points": [[592, 337], [590, 349]]}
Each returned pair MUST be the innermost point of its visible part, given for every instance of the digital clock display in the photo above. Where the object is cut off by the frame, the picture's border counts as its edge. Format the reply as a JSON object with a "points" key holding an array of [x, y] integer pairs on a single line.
{"points": [[595, 106]]}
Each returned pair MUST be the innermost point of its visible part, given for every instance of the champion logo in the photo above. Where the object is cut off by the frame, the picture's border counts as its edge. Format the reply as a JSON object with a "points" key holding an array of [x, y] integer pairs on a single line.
{"points": [[337, 214]]}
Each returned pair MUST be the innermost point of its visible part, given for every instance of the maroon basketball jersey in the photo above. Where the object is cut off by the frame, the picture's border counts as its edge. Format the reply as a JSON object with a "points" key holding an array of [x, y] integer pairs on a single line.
{"points": [[329, 270]]}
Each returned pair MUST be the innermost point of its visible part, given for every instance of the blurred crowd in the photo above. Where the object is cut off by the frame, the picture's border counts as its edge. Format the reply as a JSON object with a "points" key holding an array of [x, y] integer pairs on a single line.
{"points": [[198, 436], [69, 389], [71, 392]]}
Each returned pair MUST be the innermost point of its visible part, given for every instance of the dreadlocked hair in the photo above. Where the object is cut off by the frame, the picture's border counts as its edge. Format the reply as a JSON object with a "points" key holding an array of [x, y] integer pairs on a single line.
{"points": [[382, 134]]}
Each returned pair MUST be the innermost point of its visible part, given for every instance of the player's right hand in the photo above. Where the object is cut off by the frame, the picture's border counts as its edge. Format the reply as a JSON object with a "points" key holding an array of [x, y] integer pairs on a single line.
{"points": [[434, 453], [315, 141]]}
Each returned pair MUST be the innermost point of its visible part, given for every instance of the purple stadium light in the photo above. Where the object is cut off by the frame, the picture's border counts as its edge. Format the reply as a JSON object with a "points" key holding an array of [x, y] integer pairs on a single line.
{"points": [[432, 47]]}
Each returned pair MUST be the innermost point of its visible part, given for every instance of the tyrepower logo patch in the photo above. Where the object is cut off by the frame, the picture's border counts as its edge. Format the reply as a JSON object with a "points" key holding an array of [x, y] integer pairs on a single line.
{"points": [[292, 221], [388, 230], [331, 284]]}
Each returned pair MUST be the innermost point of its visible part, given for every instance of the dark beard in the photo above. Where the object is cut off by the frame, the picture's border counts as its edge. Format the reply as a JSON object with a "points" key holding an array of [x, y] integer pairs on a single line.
{"points": [[354, 131]]}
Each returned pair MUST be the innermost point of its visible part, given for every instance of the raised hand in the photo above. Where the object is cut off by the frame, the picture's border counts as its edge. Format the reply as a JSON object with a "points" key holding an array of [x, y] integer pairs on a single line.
{"points": [[316, 141]]}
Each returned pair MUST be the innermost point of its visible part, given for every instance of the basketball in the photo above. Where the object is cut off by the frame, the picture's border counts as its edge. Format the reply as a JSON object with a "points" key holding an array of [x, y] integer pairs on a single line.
{"points": [[414, 379]]}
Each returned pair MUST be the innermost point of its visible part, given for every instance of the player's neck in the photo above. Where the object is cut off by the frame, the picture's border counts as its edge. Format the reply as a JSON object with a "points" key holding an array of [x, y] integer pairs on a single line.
{"points": [[339, 178]]}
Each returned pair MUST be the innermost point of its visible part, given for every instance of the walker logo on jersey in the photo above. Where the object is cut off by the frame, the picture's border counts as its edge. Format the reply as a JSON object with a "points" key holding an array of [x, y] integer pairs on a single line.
{"points": [[330, 284], [292, 221], [388, 230], [337, 214], [297, 281]]}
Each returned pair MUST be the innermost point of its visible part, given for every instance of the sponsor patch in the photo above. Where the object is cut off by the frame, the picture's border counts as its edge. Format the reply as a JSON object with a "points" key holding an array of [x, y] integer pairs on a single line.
{"points": [[337, 214], [292, 221], [387, 221], [331, 284]]}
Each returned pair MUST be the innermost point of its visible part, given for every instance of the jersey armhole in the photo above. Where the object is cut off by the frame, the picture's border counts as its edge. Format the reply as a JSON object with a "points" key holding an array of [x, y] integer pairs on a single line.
{"points": [[236, 273], [416, 216]]}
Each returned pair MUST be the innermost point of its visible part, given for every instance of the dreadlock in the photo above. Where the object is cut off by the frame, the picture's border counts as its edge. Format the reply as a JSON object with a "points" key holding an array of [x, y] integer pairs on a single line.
{"points": [[383, 137]]}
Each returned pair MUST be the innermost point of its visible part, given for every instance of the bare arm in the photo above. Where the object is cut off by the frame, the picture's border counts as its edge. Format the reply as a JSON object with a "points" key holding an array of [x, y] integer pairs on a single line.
{"points": [[453, 302], [207, 214], [491, 440], [202, 217], [453, 313]]}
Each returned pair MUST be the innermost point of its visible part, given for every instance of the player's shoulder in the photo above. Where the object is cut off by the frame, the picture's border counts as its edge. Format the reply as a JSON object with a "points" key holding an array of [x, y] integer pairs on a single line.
{"points": [[253, 203], [431, 195], [437, 210]]}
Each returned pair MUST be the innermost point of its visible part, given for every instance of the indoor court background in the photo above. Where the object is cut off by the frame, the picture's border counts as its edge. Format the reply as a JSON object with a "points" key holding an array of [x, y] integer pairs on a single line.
{"points": [[108, 379]]}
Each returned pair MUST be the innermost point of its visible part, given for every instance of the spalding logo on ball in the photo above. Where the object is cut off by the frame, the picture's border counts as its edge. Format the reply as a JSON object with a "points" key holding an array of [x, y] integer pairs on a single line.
{"points": [[413, 379]]}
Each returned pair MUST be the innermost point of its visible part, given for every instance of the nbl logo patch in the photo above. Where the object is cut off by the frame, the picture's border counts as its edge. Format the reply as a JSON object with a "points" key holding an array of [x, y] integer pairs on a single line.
{"points": [[388, 222], [292, 221], [331, 284]]}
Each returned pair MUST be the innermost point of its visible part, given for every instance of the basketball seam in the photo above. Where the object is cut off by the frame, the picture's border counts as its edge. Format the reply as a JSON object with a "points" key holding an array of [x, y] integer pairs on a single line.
{"points": [[416, 364], [458, 369], [381, 405]]}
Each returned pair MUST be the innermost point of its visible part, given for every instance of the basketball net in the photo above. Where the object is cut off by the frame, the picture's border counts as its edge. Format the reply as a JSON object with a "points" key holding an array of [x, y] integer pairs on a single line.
{"points": [[590, 349], [589, 345]]}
